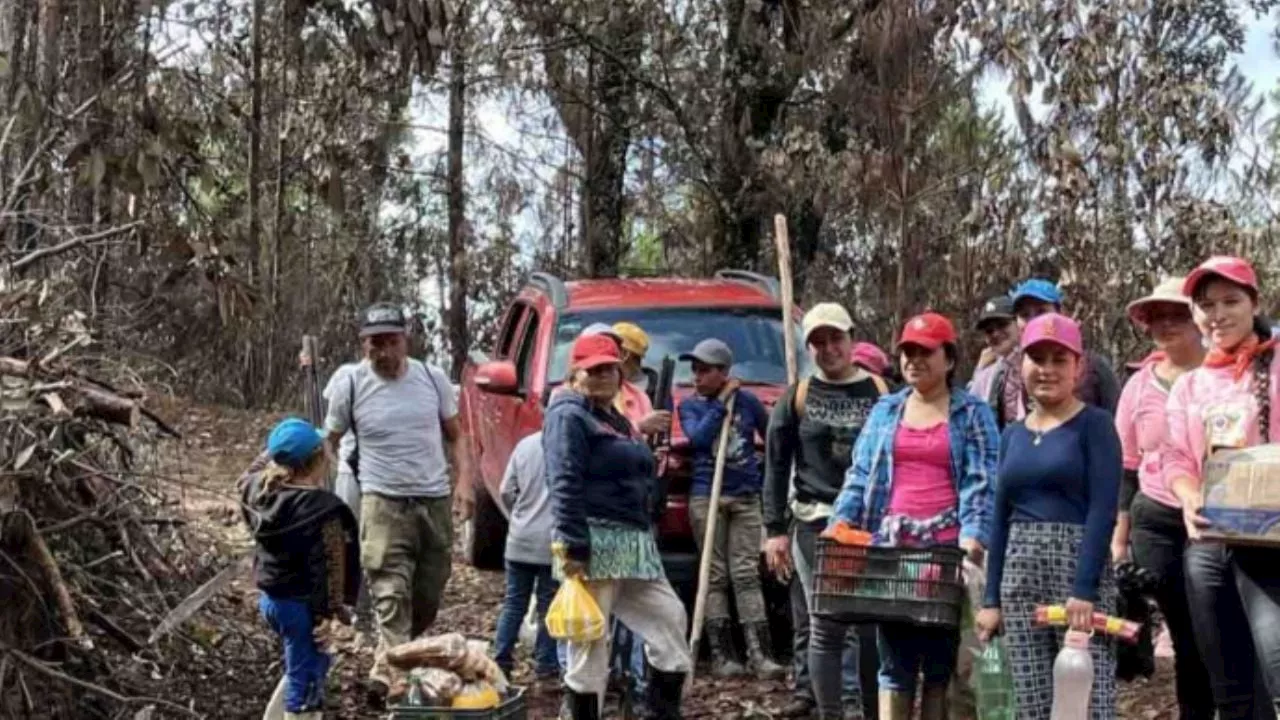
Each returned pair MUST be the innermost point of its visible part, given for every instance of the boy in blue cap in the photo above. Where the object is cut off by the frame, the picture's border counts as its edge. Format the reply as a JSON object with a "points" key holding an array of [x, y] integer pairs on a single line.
{"points": [[306, 563], [1097, 384]]}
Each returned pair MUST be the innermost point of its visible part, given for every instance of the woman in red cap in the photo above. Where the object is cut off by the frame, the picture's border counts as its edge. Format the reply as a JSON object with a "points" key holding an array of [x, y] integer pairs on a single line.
{"points": [[601, 477], [1150, 517], [1052, 519], [922, 473], [1229, 402]]}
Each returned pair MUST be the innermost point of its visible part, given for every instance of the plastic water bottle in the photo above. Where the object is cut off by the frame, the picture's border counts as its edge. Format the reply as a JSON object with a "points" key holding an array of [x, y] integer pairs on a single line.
{"points": [[992, 683], [1072, 678]]}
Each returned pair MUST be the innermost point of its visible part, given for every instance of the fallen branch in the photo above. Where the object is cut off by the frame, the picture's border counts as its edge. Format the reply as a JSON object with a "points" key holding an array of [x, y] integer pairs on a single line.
{"points": [[37, 255], [106, 406], [61, 596], [198, 599], [45, 669]]}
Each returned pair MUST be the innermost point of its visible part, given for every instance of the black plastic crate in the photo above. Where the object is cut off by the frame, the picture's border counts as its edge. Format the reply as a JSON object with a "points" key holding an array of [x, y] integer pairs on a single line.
{"points": [[512, 708], [857, 583]]}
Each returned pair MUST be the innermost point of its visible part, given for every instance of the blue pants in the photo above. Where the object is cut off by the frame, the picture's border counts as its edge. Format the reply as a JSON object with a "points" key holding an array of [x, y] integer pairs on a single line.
{"points": [[305, 666], [907, 651], [523, 580]]}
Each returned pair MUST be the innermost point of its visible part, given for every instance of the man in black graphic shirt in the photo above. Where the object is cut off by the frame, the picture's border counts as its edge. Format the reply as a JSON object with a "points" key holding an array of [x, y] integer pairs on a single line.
{"points": [[809, 447]]}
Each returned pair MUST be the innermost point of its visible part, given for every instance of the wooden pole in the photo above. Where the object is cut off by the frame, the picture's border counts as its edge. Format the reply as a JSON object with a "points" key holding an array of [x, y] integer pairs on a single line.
{"points": [[708, 537], [782, 242]]}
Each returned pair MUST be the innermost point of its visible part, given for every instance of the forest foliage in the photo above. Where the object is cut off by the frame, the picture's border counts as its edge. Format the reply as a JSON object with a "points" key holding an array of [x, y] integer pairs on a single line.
{"points": [[212, 180]]}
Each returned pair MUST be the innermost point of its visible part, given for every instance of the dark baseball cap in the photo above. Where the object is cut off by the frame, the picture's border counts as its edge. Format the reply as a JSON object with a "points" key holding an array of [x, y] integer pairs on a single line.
{"points": [[998, 308], [712, 352], [382, 319]]}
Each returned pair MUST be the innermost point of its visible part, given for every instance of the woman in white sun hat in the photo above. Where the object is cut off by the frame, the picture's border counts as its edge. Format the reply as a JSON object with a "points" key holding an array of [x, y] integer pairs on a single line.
{"points": [[1149, 527]]}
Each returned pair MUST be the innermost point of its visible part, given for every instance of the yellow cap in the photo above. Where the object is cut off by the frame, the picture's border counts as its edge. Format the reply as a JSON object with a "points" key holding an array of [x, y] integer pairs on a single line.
{"points": [[634, 340]]}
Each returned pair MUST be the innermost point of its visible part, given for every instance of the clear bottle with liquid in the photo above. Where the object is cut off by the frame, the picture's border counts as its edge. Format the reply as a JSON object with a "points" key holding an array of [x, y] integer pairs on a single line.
{"points": [[1073, 678]]}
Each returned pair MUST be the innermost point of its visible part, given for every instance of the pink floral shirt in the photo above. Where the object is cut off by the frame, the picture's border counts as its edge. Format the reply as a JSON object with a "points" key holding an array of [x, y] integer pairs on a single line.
{"points": [[1210, 409]]}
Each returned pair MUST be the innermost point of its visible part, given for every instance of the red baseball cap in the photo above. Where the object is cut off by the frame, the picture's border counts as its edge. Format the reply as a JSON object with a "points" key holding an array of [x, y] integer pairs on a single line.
{"points": [[930, 331], [591, 351], [1230, 268]]}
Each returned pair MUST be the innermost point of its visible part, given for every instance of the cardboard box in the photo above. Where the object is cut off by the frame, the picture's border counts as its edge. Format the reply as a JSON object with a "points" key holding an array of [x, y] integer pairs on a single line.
{"points": [[1242, 495]]}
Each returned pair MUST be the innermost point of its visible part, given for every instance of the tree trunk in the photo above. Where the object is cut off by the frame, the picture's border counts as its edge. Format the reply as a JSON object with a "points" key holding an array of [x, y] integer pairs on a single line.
{"points": [[255, 144], [459, 337], [610, 140]]}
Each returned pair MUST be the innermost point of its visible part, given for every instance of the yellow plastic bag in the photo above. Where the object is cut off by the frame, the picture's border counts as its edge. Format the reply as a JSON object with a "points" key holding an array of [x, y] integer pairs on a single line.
{"points": [[574, 614]]}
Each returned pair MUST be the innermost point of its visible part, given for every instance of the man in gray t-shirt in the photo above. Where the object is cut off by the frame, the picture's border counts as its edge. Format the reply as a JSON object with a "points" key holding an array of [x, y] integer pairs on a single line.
{"points": [[404, 417]]}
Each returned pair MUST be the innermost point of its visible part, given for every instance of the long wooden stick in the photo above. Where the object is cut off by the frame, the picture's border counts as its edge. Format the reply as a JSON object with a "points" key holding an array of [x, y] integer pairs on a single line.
{"points": [[709, 536], [782, 242]]}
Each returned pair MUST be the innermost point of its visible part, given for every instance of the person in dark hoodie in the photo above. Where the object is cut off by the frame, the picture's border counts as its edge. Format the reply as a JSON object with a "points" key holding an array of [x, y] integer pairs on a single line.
{"points": [[307, 562], [601, 476], [735, 550]]}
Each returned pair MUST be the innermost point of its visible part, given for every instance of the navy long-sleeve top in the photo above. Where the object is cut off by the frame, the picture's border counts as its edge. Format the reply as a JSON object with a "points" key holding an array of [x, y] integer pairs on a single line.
{"points": [[701, 418], [1072, 476]]}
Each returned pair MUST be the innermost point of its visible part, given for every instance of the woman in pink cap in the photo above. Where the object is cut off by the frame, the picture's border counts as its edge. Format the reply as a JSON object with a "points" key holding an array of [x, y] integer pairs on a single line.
{"points": [[1150, 519], [1054, 511], [922, 473], [1228, 403]]}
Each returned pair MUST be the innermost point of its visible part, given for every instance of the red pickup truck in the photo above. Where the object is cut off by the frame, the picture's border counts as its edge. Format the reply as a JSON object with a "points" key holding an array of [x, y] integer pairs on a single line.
{"points": [[502, 394]]}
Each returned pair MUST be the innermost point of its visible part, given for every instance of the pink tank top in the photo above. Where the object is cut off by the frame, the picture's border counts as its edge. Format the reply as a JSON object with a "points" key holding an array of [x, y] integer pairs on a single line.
{"points": [[922, 484]]}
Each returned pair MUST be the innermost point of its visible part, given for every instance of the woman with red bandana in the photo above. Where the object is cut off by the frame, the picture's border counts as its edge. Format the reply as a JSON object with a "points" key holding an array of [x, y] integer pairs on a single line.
{"points": [[1228, 403]]}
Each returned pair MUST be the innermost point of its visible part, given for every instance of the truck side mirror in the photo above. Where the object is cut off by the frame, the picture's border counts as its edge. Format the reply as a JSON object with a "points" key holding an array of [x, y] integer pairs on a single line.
{"points": [[498, 377]]}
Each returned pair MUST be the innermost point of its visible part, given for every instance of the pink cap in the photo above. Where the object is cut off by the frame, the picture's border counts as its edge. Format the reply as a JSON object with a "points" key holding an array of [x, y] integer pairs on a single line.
{"points": [[1053, 328], [870, 358], [1230, 268]]}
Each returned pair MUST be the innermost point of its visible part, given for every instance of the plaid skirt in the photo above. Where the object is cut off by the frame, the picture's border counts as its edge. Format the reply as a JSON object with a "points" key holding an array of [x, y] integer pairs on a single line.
{"points": [[1039, 569]]}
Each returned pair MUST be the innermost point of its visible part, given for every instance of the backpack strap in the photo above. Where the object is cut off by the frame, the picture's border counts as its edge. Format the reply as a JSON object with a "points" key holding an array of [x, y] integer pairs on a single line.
{"points": [[802, 391], [353, 459], [882, 386]]}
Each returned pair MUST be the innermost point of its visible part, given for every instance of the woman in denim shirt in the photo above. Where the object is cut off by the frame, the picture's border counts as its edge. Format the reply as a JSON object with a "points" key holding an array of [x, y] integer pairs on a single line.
{"points": [[922, 473]]}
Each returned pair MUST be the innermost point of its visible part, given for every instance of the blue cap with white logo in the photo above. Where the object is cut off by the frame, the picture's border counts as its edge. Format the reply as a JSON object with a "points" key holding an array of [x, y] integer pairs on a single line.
{"points": [[1037, 289], [292, 442]]}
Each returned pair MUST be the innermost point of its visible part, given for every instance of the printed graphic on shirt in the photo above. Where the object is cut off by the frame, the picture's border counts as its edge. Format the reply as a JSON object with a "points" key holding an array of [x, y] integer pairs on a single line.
{"points": [[739, 453], [840, 417], [1226, 425]]}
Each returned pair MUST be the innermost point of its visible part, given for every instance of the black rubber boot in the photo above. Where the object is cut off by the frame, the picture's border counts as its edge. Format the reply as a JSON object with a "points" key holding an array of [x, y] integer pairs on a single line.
{"points": [[583, 706], [758, 655], [665, 693], [720, 641]]}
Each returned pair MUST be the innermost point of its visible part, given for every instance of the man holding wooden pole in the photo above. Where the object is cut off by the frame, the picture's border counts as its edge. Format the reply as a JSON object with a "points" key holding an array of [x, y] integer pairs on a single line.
{"points": [[722, 422]]}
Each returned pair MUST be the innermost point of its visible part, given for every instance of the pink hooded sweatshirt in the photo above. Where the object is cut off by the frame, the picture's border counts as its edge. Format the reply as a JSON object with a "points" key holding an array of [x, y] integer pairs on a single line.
{"points": [[1141, 421], [1209, 408]]}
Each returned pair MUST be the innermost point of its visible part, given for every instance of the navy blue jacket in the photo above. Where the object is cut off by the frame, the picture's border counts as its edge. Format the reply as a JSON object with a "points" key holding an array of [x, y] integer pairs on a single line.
{"points": [[596, 469], [700, 418]]}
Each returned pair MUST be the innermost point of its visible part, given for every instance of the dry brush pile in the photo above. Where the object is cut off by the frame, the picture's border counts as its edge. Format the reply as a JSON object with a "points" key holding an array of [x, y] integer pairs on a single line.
{"points": [[98, 569]]}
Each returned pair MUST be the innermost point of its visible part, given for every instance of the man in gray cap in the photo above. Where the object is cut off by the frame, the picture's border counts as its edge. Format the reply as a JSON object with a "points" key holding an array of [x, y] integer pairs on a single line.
{"points": [[408, 454], [735, 553]]}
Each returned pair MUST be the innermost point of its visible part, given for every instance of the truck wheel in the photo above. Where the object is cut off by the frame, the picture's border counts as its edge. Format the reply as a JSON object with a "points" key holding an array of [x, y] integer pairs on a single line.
{"points": [[484, 536]]}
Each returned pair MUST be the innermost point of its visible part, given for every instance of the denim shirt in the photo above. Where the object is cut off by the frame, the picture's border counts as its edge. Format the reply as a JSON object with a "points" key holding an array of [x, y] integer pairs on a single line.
{"points": [[975, 450]]}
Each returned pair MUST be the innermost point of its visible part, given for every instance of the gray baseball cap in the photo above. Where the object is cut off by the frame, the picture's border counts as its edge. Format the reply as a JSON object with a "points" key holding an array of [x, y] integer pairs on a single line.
{"points": [[712, 352], [601, 329]]}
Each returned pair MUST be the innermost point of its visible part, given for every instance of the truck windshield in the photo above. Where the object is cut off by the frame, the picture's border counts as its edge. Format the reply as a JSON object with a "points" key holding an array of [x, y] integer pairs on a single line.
{"points": [[754, 334]]}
